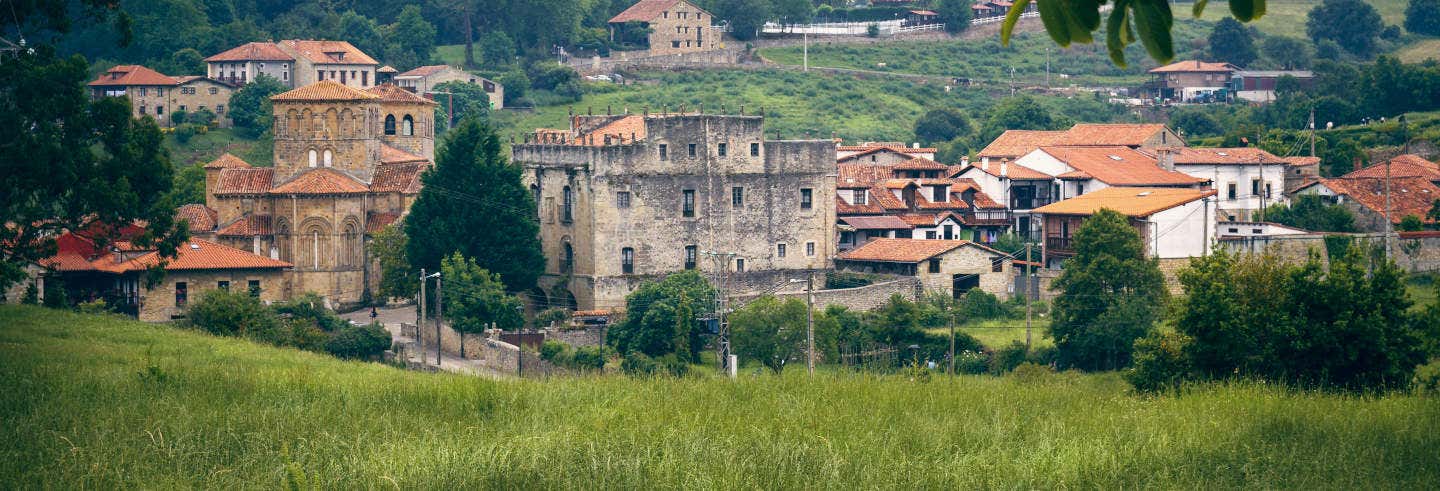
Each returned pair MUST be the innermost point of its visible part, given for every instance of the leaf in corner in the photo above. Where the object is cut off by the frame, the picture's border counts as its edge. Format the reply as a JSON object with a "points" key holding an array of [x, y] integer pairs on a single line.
{"points": [[1057, 24], [1115, 27], [1199, 7], [1152, 21], [1011, 17]]}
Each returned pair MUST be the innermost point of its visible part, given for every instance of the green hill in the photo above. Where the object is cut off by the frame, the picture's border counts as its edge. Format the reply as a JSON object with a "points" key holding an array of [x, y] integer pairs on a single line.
{"points": [[100, 402]]}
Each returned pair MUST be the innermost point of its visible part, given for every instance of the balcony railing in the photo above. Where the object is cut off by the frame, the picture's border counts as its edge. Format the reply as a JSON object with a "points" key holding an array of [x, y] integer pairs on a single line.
{"points": [[1056, 244]]}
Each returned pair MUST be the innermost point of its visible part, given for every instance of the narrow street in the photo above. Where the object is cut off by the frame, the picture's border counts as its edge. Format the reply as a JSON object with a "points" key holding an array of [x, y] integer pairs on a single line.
{"points": [[392, 317]]}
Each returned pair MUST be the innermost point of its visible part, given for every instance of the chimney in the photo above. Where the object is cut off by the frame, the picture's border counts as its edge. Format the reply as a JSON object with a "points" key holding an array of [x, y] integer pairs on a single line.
{"points": [[1167, 158], [985, 164], [964, 161], [1357, 162], [915, 145], [1004, 167]]}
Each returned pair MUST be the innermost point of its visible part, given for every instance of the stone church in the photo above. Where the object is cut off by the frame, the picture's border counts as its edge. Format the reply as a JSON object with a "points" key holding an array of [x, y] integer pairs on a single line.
{"points": [[347, 163]]}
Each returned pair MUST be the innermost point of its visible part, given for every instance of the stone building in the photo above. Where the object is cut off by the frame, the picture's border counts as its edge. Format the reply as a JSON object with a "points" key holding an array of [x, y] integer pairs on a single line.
{"points": [[951, 267], [676, 26], [296, 63], [157, 95], [424, 79], [627, 198], [347, 163], [244, 63]]}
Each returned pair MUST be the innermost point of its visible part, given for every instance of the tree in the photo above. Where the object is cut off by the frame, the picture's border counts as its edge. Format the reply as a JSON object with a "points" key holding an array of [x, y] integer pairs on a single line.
{"points": [[1021, 112], [1353, 24], [1310, 212], [497, 50], [361, 31], [770, 331], [397, 278], [250, 109], [1195, 122], [746, 17], [189, 185], [201, 117], [940, 125], [660, 318], [1423, 17], [1434, 213], [70, 163], [1410, 223], [496, 228], [1110, 295], [187, 60], [1230, 41], [410, 41], [467, 100], [1068, 22], [1287, 52], [792, 11], [475, 299], [955, 14]]}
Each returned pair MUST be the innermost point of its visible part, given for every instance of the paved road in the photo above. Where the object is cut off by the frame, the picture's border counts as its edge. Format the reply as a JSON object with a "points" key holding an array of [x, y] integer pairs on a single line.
{"points": [[392, 317]]}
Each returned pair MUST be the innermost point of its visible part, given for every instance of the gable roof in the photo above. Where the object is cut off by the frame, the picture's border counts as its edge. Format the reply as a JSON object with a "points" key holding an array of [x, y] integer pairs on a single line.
{"points": [[1195, 66], [1408, 195], [1223, 156], [244, 180], [389, 92], [401, 177], [920, 163], [324, 90], [862, 151], [132, 75], [1301, 161], [422, 71], [1108, 134], [256, 51], [329, 52], [200, 217], [1012, 171], [1407, 165], [376, 221], [1117, 166], [392, 155], [643, 11], [1129, 201], [226, 160], [196, 254], [1015, 143], [322, 180], [907, 250], [248, 226]]}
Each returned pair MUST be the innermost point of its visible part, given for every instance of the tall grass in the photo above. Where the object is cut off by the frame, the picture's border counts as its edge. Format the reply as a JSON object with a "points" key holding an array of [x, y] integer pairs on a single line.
{"points": [[101, 402]]}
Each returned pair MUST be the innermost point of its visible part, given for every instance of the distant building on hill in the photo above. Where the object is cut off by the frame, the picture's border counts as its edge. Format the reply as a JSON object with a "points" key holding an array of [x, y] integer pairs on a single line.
{"points": [[1183, 80], [675, 26], [157, 95], [424, 79], [296, 63]]}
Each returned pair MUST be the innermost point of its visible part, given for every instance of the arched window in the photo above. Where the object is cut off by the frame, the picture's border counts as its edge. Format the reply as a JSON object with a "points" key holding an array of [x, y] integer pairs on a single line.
{"points": [[329, 157], [350, 257], [569, 204], [407, 126], [390, 124], [312, 157], [312, 246], [282, 240], [569, 260]]}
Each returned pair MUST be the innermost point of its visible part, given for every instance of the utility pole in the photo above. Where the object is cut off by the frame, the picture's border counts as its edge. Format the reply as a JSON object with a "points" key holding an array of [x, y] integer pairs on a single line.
{"points": [[810, 324], [439, 308], [1029, 287], [1047, 66], [420, 324], [805, 50], [1312, 131], [1389, 225]]}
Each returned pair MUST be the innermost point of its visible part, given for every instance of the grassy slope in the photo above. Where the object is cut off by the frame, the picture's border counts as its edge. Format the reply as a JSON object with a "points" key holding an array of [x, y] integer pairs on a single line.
{"points": [[207, 147], [1427, 49], [1287, 17], [78, 413]]}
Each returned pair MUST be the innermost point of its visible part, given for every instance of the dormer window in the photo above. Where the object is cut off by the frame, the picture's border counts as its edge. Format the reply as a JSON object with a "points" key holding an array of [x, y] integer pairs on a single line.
{"points": [[939, 194], [860, 196]]}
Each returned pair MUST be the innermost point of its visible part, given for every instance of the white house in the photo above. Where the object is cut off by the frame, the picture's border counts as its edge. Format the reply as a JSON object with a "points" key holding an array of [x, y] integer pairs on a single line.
{"points": [[1174, 223], [1247, 179]]}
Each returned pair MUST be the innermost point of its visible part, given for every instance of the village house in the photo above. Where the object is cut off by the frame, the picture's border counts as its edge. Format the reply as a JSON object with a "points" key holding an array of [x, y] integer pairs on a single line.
{"points": [[422, 80], [1413, 184], [628, 198], [1248, 179], [1302, 171], [949, 267], [157, 95], [347, 163], [1187, 80], [881, 153], [911, 200], [1259, 85], [1175, 224], [1013, 144], [296, 63], [244, 63], [1136, 136], [675, 26]]}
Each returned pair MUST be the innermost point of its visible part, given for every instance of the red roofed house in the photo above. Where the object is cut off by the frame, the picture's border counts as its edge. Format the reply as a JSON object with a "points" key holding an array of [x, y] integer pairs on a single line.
{"points": [[952, 267], [242, 64], [296, 63], [1182, 79], [881, 153], [1175, 224], [911, 199], [675, 26], [1365, 197], [423, 79], [157, 95], [1248, 179]]}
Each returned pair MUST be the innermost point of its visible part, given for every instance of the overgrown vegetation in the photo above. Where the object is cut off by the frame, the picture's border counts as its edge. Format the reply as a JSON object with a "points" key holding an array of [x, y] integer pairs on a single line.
{"points": [[302, 323]]}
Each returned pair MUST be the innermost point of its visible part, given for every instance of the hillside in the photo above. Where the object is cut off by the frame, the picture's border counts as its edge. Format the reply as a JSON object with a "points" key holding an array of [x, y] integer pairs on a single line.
{"points": [[105, 403]]}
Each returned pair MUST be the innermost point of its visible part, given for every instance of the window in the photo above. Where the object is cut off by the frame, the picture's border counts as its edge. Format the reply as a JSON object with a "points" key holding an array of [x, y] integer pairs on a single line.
{"points": [[144, 92], [223, 285], [779, 250], [664, 154], [254, 286], [1230, 191], [930, 235], [407, 126], [219, 109], [312, 158], [1234, 230], [860, 196], [721, 149], [754, 149], [1079, 189], [810, 249], [568, 205], [1267, 190], [935, 265], [691, 149], [674, 44], [213, 91], [182, 293], [807, 197], [737, 197], [320, 75], [997, 265], [949, 232], [627, 260], [285, 76], [159, 109], [183, 107], [390, 124], [690, 257], [568, 262], [739, 265], [687, 203], [622, 199], [1254, 187], [329, 157]]}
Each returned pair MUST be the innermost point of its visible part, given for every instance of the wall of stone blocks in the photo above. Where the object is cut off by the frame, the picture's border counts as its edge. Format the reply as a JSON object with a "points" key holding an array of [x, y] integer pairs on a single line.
{"points": [[577, 336], [157, 304]]}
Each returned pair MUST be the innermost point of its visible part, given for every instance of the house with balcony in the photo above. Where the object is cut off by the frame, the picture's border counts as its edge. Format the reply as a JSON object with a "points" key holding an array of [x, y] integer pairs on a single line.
{"points": [[1247, 179], [909, 200], [242, 64], [1191, 80], [1175, 224]]}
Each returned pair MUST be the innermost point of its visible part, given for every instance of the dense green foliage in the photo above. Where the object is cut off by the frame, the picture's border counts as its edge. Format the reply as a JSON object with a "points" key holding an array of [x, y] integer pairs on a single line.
{"points": [[397, 278], [1110, 295], [1352, 24], [475, 299], [302, 323], [582, 358], [1423, 17], [250, 109], [1231, 42], [942, 125], [496, 227], [459, 101], [359, 342], [91, 396], [773, 332], [1148, 21], [1310, 212], [955, 14], [661, 318]]}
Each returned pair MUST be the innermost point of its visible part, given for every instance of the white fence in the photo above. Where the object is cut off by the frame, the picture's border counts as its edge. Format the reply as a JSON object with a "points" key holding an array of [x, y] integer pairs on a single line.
{"points": [[1000, 18], [832, 28]]}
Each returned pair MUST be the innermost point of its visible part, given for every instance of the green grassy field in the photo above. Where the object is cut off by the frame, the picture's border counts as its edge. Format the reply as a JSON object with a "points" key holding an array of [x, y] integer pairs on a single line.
{"points": [[97, 402], [1287, 17], [207, 147], [999, 333]]}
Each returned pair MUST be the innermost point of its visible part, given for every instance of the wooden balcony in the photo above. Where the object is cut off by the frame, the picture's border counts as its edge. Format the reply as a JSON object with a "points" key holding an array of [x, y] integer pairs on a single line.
{"points": [[1055, 244]]}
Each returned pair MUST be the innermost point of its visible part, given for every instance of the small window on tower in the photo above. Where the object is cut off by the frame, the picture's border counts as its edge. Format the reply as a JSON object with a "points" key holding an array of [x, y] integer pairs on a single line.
{"points": [[754, 149]]}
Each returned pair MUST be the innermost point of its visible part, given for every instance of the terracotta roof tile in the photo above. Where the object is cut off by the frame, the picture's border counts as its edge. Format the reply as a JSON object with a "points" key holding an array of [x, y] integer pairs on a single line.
{"points": [[1402, 166], [321, 180], [258, 51], [244, 180], [200, 217], [1012, 170], [884, 146], [1119, 166], [376, 221], [1223, 156], [1195, 66], [324, 90], [226, 161], [1302, 161], [330, 52], [1408, 195], [876, 223], [132, 75], [864, 151], [620, 130], [387, 69], [391, 93], [398, 178], [392, 155], [907, 250], [194, 255], [920, 163], [248, 226], [1130, 135], [861, 175], [869, 208], [1014, 144], [1129, 201], [643, 11]]}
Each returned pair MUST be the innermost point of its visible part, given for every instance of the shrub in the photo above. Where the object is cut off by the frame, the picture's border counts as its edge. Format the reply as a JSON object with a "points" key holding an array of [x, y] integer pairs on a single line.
{"points": [[1043, 355], [178, 117], [872, 31], [1007, 358], [550, 349], [201, 117], [359, 342], [589, 358], [554, 316], [232, 314], [1427, 378], [311, 307], [31, 295], [977, 304], [184, 133], [1160, 362], [971, 362], [1030, 372], [97, 306], [638, 364]]}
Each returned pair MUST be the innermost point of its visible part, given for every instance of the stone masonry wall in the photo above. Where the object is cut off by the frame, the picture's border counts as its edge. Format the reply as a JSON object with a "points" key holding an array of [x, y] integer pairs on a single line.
{"points": [[862, 298], [577, 336]]}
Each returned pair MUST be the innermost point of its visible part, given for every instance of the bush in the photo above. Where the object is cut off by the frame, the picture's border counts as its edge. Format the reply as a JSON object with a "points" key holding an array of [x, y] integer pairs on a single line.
{"points": [[550, 349], [228, 313], [311, 307], [1030, 372], [971, 362], [97, 306], [977, 304], [589, 358], [872, 30], [178, 117], [1427, 378], [184, 133], [637, 364], [31, 295], [1007, 358], [201, 117], [1160, 362], [1043, 355], [359, 342]]}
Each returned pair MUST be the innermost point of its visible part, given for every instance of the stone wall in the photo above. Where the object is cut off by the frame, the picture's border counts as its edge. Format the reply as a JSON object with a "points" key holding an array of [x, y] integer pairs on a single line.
{"points": [[577, 336], [861, 298], [450, 341], [509, 359], [157, 304]]}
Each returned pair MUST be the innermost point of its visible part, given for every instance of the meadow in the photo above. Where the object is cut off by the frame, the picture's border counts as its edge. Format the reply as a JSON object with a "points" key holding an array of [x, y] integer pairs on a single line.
{"points": [[102, 402]]}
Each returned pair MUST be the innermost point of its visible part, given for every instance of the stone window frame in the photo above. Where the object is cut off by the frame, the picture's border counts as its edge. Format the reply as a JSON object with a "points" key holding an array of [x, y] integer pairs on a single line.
{"points": [[622, 199], [754, 149], [407, 126], [627, 260], [692, 257], [182, 294], [739, 265], [687, 203], [737, 196], [390, 125], [223, 285], [780, 249], [721, 149], [810, 248], [253, 286], [567, 213], [664, 152], [691, 150], [934, 265], [807, 198]]}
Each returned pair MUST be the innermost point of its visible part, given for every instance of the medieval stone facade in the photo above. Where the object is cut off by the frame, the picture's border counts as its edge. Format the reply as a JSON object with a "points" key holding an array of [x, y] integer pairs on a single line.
{"points": [[675, 26], [633, 197]]}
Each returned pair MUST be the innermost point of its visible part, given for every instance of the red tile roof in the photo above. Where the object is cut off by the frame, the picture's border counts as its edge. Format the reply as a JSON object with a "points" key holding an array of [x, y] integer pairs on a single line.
{"points": [[376, 221], [1129, 201], [195, 255], [643, 11], [132, 75], [861, 175], [868, 150], [1195, 66], [392, 155], [920, 163], [389, 92], [398, 178], [620, 130], [323, 91], [200, 217], [1223, 156], [248, 226], [227, 160], [321, 180], [1302, 161], [869, 208], [1130, 135], [252, 52], [244, 180], [1014, 144], [1408, 195], [330, 52], [1012, 170], [907, 250], [1402, 166], [1119, 166]]}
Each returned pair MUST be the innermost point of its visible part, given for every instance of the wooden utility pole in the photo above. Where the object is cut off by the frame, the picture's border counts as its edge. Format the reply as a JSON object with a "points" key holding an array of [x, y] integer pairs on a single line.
{"points": [[810, 324], [1312, 132], [420, 323], [1389, 225], [1029, 287], [439, 308]]}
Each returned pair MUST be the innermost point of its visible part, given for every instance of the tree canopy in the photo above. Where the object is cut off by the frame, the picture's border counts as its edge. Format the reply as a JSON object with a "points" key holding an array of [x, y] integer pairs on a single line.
{"points": [[661, 317], [1353, 24], [774, 332], [250, 108], [1423, 17], [1231, 42], [475, 299], [1310, 212]]}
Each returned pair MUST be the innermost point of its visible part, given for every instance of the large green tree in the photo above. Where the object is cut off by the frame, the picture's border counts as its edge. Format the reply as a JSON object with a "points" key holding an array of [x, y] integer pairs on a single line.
{"points": [[1310, 212], [1353, 24], [410, 41], [955, 14], [942, 125], [774, 332], [250, 108], [1020, 112], [661, 317], [397, 278], [460, 101], [746, 17], [1423, 17], [473, 202], [1231, 42], [1110, 295], [1287, 52], [475, 299]]}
